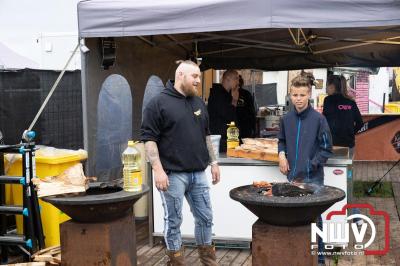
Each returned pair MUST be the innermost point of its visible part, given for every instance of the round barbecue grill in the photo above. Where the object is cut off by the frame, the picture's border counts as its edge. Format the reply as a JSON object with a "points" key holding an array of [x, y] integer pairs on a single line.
{"points": [[100, 203], [288, 210]]}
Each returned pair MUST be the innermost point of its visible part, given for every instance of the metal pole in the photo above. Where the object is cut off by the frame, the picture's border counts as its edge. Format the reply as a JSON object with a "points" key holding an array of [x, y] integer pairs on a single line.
{"points": [[52, 89], [383, 104]]}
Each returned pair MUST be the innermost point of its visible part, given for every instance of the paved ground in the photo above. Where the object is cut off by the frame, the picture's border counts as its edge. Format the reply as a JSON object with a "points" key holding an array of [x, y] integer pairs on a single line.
{"points": [[370, 171], [393, 257]]}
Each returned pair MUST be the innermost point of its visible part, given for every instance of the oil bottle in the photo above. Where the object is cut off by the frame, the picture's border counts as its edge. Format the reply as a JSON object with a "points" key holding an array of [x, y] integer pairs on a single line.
{"points": [[131, 171], [232, 134]]}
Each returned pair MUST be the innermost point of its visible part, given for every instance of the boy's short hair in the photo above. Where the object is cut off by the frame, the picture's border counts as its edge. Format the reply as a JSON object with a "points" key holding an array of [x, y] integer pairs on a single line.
{"points": [[301, 81]]}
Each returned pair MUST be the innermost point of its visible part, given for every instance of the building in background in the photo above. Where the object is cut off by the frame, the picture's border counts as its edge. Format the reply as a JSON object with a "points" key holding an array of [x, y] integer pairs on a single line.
{"points": [[45, 31]]}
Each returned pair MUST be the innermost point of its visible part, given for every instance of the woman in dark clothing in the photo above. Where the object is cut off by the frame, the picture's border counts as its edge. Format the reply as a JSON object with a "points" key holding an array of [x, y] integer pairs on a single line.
{"points": [[342, 113]]}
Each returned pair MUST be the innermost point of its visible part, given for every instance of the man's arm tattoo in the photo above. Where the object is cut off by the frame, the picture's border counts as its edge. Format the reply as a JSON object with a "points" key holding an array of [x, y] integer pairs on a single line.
{"points": [[210, 149], [152, 153]]}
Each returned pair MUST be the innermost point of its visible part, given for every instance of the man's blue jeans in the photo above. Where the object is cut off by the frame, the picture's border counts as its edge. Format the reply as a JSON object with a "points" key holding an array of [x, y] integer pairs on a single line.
{"points": [[195, 188]]}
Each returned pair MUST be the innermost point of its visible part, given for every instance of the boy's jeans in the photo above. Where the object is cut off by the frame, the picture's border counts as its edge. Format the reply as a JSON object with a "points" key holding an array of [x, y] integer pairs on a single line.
{"points": [[195, 188]]}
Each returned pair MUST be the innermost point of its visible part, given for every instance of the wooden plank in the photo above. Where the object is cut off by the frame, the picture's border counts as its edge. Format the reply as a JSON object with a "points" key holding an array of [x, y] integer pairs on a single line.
{"points": [[229, 257], [192, 258], [29, 264], [142, 259], [253, 154], [241, 258], [220, 253], [156, 257], [49, 249], [248, 261], [143, 250]]}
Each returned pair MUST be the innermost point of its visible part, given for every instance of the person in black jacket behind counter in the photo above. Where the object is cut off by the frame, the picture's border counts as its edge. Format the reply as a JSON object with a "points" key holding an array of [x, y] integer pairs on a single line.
{"points": [[230, 102], [222, 105], [342, 113]]}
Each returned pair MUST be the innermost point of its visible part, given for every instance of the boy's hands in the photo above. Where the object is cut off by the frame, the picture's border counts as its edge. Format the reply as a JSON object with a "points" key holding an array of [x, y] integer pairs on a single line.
{"points": [[283, 164]]}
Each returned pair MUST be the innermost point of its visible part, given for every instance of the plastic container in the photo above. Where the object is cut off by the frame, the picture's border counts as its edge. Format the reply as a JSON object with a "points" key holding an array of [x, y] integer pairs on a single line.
{"points": [[392, 107], [141, 206], [49, 162], [232, 134], [9, 199], [215, 139], [131, 172]]}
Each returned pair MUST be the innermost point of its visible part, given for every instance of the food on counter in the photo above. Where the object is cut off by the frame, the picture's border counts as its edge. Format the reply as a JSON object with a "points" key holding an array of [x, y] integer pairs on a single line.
{"points": [[262, 142], [256, 148], [259, 144]]}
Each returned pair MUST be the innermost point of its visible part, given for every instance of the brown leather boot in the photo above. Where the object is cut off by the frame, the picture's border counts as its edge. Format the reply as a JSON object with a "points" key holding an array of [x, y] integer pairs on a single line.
{"points": [[207, 255], [176, 258]]}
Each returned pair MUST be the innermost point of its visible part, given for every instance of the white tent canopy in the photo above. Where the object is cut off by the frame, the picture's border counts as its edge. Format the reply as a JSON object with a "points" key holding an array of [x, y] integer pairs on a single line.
{"points": [[117, 18], [12, 60], [259, 34]]}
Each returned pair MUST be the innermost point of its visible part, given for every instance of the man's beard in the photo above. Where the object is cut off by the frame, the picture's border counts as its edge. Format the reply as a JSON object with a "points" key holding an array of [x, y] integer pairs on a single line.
{"points": [[189, 91]]}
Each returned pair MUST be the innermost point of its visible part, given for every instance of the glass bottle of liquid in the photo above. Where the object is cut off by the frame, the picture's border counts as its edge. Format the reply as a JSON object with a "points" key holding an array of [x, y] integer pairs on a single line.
{"points": [[131, 171], [232, 134]]}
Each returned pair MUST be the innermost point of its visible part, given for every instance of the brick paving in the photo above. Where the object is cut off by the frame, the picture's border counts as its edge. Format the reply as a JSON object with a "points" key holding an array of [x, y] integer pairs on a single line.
{"points": [[370, 171]]}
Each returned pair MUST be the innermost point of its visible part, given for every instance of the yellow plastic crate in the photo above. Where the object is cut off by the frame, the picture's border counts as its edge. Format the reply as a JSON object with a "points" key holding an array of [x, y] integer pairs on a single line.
{"points": [[392, 107], [9, 199], [45, 166]]}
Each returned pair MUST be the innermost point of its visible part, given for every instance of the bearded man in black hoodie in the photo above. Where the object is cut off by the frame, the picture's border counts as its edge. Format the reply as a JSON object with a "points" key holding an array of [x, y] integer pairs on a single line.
{"points": [[178, 145]]}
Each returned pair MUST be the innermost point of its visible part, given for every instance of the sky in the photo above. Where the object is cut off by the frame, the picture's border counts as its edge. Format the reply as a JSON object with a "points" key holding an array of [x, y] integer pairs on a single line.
{"points": [[24, 21]]}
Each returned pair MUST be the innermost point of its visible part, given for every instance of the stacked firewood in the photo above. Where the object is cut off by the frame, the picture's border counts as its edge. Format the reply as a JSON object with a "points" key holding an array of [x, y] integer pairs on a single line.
{"points": [[50, 256], [72, 180]]}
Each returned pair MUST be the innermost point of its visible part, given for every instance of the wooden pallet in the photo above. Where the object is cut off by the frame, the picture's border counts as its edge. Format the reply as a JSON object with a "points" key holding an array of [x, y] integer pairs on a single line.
{"points": [[253, 154]]}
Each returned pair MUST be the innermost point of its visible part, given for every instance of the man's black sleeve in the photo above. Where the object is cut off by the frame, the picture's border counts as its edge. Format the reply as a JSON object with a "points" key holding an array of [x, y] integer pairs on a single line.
{"points": [[151, 123], [220, 107]]}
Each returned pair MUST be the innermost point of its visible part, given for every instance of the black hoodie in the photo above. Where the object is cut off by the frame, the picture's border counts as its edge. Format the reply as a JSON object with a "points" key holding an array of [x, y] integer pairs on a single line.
{"points": [[344, 119], [222, 113], [179, 126]]}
